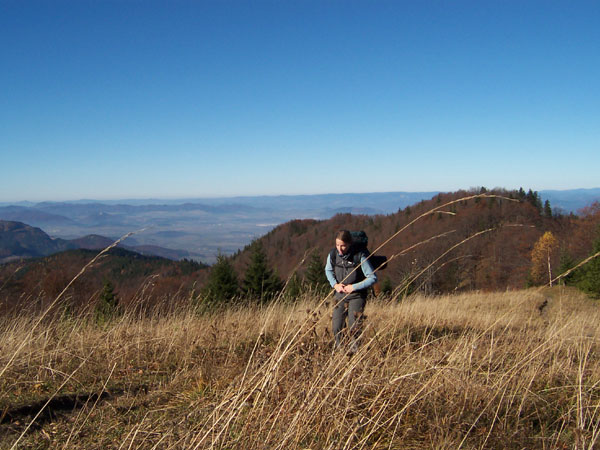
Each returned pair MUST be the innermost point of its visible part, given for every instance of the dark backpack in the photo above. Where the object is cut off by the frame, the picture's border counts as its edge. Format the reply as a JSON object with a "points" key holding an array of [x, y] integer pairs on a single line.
{"points": [[360, 243]]}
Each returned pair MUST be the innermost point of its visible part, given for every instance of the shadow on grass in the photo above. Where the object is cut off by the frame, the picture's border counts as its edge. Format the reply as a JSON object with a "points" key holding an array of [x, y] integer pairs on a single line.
{"points": [[17, 418]]}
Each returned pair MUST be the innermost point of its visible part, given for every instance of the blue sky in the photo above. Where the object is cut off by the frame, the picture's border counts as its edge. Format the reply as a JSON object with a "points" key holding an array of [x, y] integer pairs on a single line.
{"points": [[139, 99]]}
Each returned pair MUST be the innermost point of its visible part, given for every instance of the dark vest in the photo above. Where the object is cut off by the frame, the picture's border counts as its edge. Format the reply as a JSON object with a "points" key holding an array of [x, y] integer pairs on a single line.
{"points": [[343, 265]]}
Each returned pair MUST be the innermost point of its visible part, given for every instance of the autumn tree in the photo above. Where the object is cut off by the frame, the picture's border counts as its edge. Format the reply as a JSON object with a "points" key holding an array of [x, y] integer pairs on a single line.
{"points": [[541, 257]]}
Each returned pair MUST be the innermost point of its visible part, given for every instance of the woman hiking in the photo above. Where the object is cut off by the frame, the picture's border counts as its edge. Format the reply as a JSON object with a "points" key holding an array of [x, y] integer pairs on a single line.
{"points": [[350, 273]]}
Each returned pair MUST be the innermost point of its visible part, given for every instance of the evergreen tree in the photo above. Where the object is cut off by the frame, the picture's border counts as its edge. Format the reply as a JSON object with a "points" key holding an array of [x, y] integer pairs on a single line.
{"points": [[107, 306], [547, 209], [222, 284], [189, 266], [315, 273], [386, 287], [293, 288], [530, 196], [566, 263], [589, 278], [533, 198], [260, 283]]}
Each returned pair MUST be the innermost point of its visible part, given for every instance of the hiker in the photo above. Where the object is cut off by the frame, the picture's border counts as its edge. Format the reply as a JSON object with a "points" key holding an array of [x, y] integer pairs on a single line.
{"points": [[351, 286]]}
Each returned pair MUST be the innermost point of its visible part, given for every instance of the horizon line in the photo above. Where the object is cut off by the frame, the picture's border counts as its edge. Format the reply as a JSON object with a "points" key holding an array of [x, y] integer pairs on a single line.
{"points": [[225, 197]]}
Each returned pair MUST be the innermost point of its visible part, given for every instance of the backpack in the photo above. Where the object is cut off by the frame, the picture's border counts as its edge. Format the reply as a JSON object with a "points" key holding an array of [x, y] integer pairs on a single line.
{"points": [[360, 242]]}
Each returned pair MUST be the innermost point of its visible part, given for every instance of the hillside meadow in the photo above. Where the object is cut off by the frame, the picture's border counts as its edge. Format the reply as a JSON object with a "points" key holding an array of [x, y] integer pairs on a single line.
{"points": [[511, 370]]}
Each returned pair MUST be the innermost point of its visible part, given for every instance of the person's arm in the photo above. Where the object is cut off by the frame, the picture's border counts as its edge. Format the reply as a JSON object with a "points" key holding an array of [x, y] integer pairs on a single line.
{"points": [[370, 276], [329, 273]]}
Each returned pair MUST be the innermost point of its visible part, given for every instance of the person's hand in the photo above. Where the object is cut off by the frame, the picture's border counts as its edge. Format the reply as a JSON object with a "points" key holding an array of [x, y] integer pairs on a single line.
{"points": [[348, 289], [339, 287]]}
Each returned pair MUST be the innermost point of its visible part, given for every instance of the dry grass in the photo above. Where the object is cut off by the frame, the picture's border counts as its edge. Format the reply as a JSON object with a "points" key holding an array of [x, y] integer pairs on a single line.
{"points": [[479, 370]]}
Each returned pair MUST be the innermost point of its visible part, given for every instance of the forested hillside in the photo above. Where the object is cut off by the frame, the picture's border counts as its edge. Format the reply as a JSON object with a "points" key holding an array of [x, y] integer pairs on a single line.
{"points": [[35, 283], [455, 242], [445, 244], [19, 240]]}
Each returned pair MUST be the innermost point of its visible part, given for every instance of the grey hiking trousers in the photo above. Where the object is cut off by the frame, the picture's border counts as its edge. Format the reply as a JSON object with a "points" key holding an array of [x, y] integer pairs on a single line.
{"points": [[352, 309]]}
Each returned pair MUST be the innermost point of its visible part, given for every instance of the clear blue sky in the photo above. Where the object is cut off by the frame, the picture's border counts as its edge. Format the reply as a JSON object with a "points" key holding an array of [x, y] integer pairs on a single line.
{"points": [[138, 99]]}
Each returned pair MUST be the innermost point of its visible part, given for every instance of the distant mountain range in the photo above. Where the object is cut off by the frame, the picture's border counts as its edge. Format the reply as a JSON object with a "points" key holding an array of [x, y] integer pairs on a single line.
{"points": [[19, 240], [201, 228], [198, 229]]}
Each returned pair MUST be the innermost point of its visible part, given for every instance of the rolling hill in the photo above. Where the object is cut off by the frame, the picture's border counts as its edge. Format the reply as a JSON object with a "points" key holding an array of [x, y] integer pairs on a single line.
{"points": [[475, 244], [18, 240], [34, 282]]}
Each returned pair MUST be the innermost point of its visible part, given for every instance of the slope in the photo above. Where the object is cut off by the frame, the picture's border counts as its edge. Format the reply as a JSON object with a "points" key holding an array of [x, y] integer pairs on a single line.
{"points": [[471, 243]]}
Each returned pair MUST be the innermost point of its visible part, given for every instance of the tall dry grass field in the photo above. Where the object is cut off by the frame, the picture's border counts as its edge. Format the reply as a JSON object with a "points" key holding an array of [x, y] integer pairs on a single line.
{"points": [[475, 371]]}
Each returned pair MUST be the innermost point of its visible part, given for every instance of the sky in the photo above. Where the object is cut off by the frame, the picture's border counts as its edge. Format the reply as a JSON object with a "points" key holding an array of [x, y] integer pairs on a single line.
{"points": [[184, 99]]}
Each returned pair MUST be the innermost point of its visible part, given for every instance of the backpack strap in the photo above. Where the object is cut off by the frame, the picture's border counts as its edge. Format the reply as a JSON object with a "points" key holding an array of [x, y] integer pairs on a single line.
{"points": [[356, 257], [332, 258], [358, 252]]}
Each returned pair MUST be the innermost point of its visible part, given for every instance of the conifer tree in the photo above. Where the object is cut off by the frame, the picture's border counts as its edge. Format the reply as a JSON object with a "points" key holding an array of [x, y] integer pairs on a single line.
{"points": [[315, 273], [260, 282], [222, 284], [107, 306], [589, 278], [293, 288], [533, 198], [566, 262], [547, 209], [386, 287]]}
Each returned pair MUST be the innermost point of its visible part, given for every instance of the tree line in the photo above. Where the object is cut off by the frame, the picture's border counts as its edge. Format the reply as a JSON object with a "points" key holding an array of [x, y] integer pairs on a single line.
{"points": [[260, 283]]}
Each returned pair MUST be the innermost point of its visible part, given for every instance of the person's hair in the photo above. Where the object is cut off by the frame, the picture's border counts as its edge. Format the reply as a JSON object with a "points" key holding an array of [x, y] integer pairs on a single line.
{"points": [[344, 236]]}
